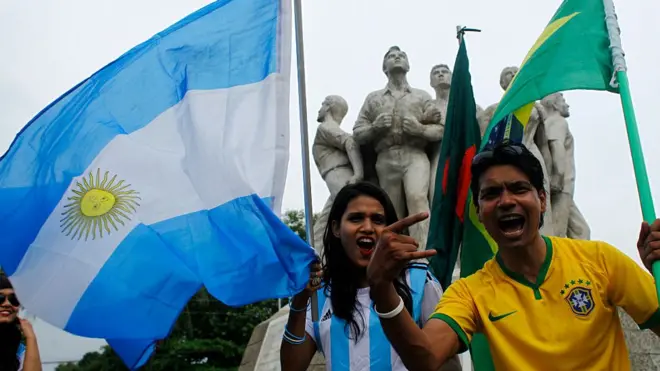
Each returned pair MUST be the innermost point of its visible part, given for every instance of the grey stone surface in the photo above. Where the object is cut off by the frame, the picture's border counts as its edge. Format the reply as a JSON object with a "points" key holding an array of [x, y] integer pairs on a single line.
{"points": [[568, 221], [643, 345], [263, 350]]}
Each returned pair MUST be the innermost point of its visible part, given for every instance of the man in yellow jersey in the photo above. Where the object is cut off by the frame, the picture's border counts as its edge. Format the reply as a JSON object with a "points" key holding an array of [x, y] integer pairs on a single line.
{"points": [[544, 303]]}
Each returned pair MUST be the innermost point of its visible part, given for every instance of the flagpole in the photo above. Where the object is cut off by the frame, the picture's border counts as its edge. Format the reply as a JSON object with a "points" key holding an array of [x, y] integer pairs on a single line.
{"points": [[620, 80], [304, 136]]}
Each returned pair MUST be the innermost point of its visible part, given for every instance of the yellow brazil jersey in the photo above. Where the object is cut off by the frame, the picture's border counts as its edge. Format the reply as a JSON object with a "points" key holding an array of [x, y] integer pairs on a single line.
{"points": [[567, 320]]}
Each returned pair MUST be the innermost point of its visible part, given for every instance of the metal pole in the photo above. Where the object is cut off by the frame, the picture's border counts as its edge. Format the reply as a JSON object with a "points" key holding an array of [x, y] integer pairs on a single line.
{"points": [[460, 33], [466, 358], [304, 135], [620, 80]]}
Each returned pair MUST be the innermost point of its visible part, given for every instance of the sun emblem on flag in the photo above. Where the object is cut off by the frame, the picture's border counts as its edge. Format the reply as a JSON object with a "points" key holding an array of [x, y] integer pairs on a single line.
{"points": [[98, 205], [581, 301]]}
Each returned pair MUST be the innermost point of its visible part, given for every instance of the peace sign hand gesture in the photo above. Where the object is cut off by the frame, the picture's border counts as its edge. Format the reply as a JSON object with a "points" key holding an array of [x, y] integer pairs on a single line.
{"points": [[394, 250]]}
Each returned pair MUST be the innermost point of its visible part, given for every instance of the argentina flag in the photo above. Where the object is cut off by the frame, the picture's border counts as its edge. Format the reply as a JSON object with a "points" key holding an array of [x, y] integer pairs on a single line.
{"points": [[162, 172]]}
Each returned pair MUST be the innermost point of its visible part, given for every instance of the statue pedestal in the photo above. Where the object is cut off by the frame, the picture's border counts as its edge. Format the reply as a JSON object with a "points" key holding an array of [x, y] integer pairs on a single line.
{"points": [[643, 346], [263, 350]]}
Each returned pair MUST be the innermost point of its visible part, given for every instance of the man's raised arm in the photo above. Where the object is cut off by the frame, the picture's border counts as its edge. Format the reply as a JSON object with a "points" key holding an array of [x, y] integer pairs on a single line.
{"points": [[420, 349]]}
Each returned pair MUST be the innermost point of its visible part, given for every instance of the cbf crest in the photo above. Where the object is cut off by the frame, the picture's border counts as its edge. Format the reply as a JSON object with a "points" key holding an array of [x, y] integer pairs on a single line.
{"points": [[577, 294]]}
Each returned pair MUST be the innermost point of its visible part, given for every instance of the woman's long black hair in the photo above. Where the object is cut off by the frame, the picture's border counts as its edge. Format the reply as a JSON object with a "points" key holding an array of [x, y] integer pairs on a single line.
{"points": [[10, 337], [340, 276]]}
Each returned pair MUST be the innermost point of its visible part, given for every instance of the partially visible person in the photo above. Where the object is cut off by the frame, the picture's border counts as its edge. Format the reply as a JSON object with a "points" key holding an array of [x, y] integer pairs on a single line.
{"points": [[15, 355], [543, 303], [348, 332]]}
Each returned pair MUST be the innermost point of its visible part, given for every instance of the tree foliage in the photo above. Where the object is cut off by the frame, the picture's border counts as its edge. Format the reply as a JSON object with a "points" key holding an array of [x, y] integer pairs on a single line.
{"points": [[295, 219], [207, 336]]}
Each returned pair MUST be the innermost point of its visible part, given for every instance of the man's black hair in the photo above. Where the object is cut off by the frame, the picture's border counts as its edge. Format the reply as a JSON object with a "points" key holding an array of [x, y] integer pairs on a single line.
{"points": [[506, 153]]}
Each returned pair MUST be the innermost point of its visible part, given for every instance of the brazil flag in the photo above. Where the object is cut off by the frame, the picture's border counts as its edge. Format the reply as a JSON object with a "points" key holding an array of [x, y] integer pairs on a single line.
{"points": [[572, 53]]}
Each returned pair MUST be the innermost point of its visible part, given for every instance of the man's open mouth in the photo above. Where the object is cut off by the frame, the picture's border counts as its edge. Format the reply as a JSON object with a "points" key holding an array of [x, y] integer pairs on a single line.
{"points": [[366, 245], [512, 225]]}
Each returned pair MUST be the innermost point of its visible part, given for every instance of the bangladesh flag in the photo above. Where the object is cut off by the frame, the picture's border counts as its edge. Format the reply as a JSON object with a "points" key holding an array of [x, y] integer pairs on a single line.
{"points": [[572, 53], [459, 144]]}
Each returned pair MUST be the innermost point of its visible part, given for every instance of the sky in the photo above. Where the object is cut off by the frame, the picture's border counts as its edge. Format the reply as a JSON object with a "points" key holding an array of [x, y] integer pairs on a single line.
{"points": [[49, 46]]}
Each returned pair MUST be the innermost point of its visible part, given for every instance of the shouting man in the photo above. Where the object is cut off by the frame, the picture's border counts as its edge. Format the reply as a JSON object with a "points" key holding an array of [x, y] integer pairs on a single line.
{"points": [[543, 303]]}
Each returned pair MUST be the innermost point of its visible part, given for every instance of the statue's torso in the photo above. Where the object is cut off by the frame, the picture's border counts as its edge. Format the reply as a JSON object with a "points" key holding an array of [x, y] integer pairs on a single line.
{"points": [[328, 148], [412, 102]]}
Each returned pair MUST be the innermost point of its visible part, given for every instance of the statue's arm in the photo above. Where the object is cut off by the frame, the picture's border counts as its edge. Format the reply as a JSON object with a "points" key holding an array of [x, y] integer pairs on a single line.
{"points": [[433, 129], [355, 157], [542, 142], [484, 118], [433, 132], [363, 132], [556, 130]]}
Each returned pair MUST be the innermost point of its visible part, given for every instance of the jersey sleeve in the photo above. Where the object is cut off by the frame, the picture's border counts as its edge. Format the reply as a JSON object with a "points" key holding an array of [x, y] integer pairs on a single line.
{"points": [[457, 309], [631, 287], [431, 298]]}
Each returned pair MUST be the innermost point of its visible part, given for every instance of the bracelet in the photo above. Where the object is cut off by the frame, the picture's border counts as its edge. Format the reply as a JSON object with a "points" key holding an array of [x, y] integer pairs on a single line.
{"points": [[294, 337], [292, 309], [395, 312], [291, 338]]}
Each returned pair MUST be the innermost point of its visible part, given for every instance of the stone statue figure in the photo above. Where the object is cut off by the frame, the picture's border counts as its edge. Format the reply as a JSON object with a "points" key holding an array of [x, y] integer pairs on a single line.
{"points": [[440, 79], [568, 221], [486, 115], [534, 138], [398, 123], [336, 155]]}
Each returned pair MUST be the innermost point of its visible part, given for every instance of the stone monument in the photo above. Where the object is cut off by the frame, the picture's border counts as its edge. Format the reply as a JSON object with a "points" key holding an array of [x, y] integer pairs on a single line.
{"points": [[395, 126], [567, 219], [337, 157], [395, 143]]}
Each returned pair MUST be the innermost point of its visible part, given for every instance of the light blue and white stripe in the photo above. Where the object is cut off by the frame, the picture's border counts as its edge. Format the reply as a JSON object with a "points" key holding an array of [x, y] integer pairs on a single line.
{"points": [[372, 351], [196, 121]]}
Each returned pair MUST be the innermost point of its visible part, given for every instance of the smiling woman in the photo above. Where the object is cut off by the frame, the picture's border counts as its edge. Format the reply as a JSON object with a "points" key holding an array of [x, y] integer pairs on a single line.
{"points": [[14, 355]]}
